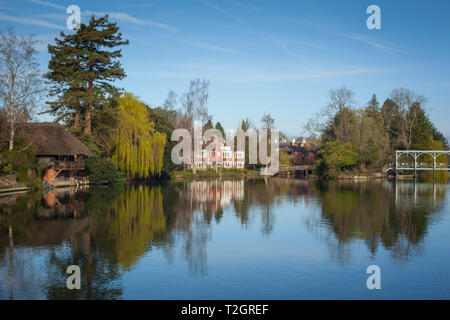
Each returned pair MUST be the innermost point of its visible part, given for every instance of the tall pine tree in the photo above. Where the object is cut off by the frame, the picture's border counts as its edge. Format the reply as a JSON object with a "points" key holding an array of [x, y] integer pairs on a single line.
{"points": [[81, 69], [373, 106]]}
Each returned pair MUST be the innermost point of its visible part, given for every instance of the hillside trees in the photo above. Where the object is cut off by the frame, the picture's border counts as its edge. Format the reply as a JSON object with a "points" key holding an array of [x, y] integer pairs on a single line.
{"points": [[372, 133]]}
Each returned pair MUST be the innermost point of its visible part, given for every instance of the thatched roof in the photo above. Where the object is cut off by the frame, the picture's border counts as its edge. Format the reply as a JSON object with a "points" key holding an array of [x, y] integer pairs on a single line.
{"points": [[48, 138]]}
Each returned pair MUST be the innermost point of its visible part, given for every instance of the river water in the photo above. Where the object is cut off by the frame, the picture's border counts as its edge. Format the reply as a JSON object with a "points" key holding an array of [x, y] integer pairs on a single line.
{"points": [[235, 239]]}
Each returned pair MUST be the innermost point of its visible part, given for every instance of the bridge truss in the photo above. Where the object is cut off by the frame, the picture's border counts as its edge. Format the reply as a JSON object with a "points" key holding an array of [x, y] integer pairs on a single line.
{"points": [[419, 163]]}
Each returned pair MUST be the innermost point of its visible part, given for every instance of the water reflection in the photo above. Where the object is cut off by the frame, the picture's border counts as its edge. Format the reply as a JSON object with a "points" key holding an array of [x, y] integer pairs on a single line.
{"points": [[394, 215], [108, 230]]}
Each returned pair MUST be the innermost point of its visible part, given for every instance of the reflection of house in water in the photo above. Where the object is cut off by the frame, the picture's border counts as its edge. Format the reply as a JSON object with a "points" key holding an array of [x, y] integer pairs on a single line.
{"points": [[62, 203], [215, 195], [56, 217]]}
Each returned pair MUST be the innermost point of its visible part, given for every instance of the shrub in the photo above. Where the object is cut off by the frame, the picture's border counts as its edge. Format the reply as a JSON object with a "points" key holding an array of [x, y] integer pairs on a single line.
{"points": [[102, 171], [335, 157], [20, 160]]}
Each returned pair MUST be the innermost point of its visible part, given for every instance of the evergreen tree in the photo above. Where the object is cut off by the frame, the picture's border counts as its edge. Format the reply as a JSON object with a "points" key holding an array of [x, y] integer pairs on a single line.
{"points": [[245, 124], [81, 69], [373, 105], [162, 119], [208, 125], [220, 128]]}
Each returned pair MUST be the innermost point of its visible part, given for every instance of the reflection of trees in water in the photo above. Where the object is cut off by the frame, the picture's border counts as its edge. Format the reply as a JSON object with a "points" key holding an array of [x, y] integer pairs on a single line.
{"points": [[124, 229], [122, 223], [100, 276], [378, 213], [105, 230], [264, 194]]}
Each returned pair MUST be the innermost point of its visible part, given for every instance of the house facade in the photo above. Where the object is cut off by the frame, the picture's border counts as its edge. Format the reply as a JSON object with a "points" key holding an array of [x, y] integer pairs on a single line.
{"points": [[303, 153], [217, 155]]}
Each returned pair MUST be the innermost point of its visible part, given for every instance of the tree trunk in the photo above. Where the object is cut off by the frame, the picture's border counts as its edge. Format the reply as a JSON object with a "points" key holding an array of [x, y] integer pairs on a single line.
{"points": [[77, 120], [88, 122], [11, 116], [11, 135]]}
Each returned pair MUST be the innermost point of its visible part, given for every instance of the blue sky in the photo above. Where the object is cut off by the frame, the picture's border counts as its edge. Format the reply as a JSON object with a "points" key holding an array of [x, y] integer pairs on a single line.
{"points": [[278, 57]]}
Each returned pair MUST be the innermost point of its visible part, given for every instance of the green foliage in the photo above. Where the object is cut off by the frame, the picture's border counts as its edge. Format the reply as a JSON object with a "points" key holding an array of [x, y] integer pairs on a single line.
{"points": [[373, 105], [102, 171], [81, 68], [163, 122], [220, 128], [208, 125], [20, 160], [335, 157], [374, 133], [284, 159], [139, 149]]}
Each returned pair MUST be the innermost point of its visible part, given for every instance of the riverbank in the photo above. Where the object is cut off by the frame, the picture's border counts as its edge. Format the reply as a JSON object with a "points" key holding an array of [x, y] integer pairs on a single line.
{"points": [[14, 189], [189, 175]]}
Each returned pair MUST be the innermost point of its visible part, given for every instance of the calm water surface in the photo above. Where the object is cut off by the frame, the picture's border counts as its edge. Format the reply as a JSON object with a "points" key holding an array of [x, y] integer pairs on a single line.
{"points": [[256, 239]]}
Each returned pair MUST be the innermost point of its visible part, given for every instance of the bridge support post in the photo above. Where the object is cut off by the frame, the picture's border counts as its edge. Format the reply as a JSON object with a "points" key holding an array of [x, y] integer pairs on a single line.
{"points": [[434, 165], [396, 163], [415, 164]]}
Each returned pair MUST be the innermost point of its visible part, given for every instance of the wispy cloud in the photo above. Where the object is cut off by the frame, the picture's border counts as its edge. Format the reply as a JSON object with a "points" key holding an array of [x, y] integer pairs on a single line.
{"points": [[385, 46], [301, 75], [244, 75], [138, 5], [208, 46], [126, 17], [223, 11], [244, 5], [30, 21], [49, 4], [115, 15]]}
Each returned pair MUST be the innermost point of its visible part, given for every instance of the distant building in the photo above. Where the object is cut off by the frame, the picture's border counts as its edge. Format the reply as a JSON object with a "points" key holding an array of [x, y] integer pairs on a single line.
{"points": [[217, 155], [303, 153]]}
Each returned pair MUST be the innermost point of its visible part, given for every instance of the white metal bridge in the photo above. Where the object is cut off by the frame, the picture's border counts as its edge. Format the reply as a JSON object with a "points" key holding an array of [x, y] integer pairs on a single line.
{"points": [[414, 160]]}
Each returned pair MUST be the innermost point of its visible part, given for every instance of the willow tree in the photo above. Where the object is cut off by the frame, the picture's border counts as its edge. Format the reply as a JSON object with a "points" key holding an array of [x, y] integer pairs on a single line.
{"points": [[139, 149]]}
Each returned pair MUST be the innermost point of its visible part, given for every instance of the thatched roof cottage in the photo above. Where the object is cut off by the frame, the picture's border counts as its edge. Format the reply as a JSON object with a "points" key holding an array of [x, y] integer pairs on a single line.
{"points": [[54, 145]]}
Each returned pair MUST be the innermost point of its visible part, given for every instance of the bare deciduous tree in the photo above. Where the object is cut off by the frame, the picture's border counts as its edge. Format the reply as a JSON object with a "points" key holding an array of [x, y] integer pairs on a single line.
{"points": [[20, 79], [171, 101], [267, 121], [406, 100], [335, 118], [194, 104]]}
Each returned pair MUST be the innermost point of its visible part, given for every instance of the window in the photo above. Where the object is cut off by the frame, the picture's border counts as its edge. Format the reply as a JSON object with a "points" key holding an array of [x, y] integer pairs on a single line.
{"points": [[228, 164], [240, 154], [227, 154]]}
